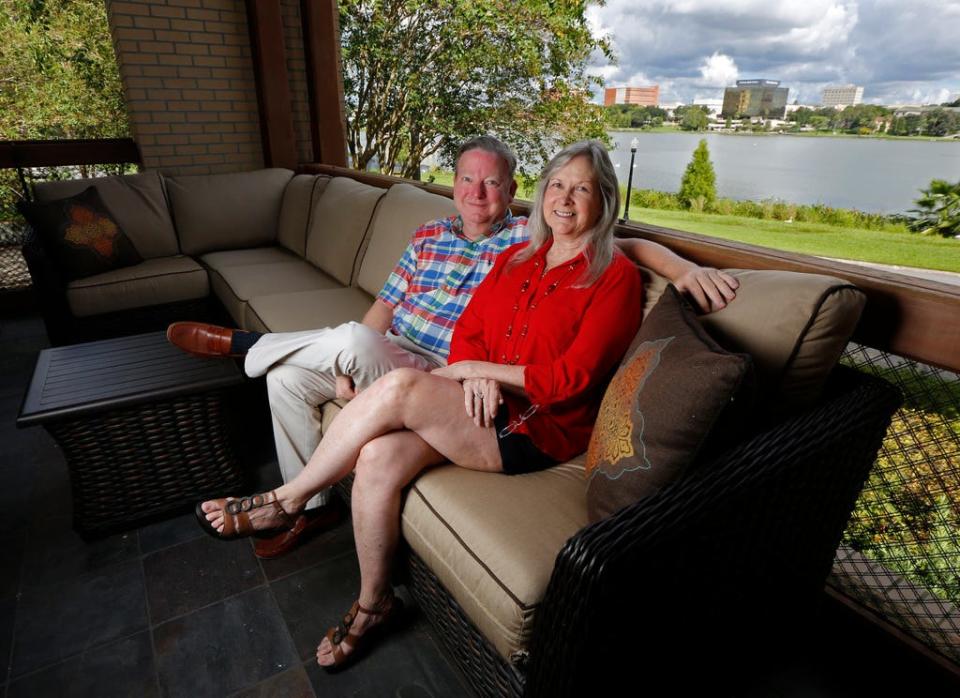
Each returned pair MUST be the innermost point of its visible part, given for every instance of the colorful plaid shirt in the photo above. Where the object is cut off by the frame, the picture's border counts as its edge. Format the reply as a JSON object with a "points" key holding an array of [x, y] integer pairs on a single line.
{"points": [[437, 274]]}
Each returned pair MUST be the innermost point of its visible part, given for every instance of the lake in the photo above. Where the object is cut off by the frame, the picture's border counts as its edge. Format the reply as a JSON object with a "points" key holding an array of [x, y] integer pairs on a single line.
{"points": [[870, 174]]}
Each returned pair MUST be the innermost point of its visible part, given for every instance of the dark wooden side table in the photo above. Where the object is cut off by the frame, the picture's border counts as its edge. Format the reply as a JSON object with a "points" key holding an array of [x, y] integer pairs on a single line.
{"points": [[141, 425]]}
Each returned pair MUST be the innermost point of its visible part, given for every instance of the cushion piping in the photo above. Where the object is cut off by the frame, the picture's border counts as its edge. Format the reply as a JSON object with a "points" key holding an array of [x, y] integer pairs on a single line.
{"points": [[139, 278], [365, 241], [470, 552]]}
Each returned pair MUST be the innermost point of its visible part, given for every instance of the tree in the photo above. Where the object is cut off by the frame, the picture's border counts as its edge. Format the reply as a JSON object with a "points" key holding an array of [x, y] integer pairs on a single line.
{"points": [[698, 187], [694, 120], [940, 122], [938, 211], [421, 76]]}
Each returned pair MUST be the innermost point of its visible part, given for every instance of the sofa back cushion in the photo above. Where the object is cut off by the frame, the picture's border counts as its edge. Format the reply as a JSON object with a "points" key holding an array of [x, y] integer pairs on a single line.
{"points": [[227, 211], [298, 199], [338, 224], [794, 326], [136, 202], [404, 209]]}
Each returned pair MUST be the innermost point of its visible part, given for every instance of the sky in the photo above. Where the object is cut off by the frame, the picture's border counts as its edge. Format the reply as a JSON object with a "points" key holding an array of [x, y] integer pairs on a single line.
{"points": [[901, 51]]}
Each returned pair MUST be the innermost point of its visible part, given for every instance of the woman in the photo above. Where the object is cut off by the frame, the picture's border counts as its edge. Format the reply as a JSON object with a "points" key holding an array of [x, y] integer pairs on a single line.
{"points": [[530, 358]]}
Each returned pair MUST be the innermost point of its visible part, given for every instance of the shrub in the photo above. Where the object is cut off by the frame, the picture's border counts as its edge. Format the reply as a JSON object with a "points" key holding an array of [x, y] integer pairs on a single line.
{"points": [[938, 211], [699, 179]]}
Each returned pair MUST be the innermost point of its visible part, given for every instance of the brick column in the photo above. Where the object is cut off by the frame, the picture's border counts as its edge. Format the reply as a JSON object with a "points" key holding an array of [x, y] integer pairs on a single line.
{"points": [[188, 83]]}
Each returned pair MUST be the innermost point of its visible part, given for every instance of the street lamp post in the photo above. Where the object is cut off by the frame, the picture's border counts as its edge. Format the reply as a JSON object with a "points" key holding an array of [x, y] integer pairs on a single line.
{"points": [[633, 153]]}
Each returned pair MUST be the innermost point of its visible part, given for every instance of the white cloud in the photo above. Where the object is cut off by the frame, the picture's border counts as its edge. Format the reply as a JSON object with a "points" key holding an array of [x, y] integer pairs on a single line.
{"points": [[719, 70]]}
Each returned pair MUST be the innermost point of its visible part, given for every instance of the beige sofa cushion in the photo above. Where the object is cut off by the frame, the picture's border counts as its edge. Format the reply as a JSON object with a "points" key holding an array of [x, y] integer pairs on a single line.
{"points": [[152, 282], [298, 199], [238, 276], [307, 310], [136, 201], [404, 209], [795, 327], [227, 211], [492, 540], [338, 224]]}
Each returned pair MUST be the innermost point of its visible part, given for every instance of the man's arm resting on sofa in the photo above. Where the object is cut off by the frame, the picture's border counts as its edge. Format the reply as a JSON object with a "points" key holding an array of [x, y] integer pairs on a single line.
{"points": [[378, 318], [711, 289]]}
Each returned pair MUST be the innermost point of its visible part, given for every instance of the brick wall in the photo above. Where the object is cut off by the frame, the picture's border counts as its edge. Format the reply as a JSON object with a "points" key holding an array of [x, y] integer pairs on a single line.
{"points": [[188, 83]]}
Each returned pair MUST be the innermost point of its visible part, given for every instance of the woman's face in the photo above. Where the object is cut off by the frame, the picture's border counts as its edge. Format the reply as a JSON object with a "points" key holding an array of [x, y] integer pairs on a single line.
{"points": [[571, 201]]}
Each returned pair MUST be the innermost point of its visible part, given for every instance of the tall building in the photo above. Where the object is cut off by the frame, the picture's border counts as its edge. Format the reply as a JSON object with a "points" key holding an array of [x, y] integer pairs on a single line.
{"points": [[841, 96], [755, 98], [639, 96]]}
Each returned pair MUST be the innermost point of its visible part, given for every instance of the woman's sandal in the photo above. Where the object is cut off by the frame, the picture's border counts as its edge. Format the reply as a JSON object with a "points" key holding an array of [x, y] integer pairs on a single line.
{"points": [[236, 520], [359, 643]]}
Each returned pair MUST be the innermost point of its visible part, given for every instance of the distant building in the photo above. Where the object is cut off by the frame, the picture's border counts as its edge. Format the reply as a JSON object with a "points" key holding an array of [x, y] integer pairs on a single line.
{"points": [[639, 96], [713, 105], [840, 96], [755, 98]]}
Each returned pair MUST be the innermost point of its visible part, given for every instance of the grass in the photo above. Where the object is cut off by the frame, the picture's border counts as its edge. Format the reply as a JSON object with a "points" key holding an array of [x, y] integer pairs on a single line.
{"points": [[883, 247]]}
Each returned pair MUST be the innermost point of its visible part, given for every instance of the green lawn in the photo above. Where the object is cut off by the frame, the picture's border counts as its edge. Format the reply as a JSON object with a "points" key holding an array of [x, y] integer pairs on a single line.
{"points": [[904, 249]]}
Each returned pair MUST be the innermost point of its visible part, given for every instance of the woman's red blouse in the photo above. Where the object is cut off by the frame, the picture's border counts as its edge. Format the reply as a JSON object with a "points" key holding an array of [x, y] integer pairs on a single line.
{"points": [[569, 339]]}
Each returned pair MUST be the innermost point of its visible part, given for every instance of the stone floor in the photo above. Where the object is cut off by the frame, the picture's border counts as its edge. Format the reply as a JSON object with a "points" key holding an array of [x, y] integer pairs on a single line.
{"points": [[165, 610]]}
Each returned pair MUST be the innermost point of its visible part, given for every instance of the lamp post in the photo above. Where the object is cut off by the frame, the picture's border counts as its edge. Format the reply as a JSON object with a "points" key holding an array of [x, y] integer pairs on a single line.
{"points": [[633, 153]]}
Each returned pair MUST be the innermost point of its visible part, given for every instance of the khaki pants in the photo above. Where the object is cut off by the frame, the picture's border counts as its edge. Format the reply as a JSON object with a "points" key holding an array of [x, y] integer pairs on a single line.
{"points": [[301, 368]]}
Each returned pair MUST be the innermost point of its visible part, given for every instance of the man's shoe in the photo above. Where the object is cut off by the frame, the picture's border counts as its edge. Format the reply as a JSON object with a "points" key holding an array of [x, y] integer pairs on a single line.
{"points": [[201, 339], [304, 528]]}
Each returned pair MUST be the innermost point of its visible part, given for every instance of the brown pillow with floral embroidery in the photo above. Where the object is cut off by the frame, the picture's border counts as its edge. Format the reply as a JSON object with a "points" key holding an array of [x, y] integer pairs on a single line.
{"points": [[660, 407], [80, 234]]}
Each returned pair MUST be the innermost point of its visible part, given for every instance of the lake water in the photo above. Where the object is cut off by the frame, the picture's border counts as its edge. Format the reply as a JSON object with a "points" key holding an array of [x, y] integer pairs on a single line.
{"points": [[869, 174]]}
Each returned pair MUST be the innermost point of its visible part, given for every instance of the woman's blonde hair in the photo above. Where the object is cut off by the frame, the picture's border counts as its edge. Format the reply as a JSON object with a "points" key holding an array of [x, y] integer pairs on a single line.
{"points": [[599, 249]]}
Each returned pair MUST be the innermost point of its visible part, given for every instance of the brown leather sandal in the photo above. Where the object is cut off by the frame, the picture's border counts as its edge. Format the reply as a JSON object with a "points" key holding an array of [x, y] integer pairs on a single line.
{"points": [[236, 520], [359, 643]]}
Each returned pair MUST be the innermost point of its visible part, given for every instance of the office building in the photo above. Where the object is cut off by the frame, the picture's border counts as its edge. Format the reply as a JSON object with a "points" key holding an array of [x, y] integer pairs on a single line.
{"points": [[639, 96], [752, 98], [840, 96]]}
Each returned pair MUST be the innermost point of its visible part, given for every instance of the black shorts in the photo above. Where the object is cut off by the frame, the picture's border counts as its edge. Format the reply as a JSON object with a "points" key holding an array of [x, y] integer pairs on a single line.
{"points": [[517, 451]]}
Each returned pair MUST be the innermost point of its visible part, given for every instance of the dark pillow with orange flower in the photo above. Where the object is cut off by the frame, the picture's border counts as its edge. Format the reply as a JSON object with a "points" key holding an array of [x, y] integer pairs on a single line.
{"points": [[80, 234], [658, 412]]}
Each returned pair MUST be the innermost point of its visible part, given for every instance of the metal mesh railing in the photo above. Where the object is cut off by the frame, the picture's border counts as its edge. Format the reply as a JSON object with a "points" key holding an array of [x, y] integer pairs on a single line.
{"points": [[901, 549], [13, 268]]}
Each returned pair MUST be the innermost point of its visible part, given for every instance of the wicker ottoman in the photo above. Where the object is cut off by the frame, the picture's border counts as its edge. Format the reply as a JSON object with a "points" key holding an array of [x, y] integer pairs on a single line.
{"points": [[141, 425]]}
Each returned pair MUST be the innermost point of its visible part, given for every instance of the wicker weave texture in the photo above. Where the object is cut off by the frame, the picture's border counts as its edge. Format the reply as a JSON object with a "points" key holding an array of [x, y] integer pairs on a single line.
{"points": [[132, 464]]}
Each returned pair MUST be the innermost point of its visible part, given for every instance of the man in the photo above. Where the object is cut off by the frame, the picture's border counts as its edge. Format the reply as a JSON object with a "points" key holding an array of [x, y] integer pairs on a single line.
{"points": [[410, 322]]}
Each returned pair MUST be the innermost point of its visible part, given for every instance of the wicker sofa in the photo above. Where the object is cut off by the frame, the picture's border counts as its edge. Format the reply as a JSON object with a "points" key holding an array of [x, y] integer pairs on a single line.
{"points": [[528, 596]]}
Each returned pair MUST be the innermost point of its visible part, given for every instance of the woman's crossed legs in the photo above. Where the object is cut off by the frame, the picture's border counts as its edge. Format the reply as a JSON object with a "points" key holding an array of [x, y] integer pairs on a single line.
{"points": [[403, 423]]}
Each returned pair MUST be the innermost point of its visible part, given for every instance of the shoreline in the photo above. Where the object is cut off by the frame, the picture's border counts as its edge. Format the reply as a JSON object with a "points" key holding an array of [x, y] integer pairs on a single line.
{"points": [[808, 134]]}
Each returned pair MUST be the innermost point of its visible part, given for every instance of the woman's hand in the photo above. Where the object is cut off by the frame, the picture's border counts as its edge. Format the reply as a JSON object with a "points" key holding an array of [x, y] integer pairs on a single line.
{"points": [[459, 371], [711, 289], [482, 398]]}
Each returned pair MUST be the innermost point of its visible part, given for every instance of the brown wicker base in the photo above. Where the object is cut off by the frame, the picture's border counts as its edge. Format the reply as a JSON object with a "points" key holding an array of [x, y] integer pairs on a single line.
{"points": [[132, 464]]}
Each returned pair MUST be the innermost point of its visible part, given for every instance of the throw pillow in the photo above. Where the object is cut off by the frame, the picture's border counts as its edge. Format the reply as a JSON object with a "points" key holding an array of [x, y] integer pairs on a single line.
{"points": [[80, 234], [660, 407]]}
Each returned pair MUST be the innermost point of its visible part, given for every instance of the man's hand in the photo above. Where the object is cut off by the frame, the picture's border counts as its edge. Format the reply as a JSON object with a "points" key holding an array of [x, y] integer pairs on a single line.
{"points": [[711, 289], [482, 398], [346, 390]]}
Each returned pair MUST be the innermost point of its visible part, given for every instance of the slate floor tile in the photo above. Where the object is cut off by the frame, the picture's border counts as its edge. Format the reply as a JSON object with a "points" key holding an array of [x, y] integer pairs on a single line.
{"points": [[56, 552], [59, 620], [123, 669], [166, 534], [315, 599], [197, 573], [223, 648], [326, 546], [7, 611], [12, 546], [293, 683]]}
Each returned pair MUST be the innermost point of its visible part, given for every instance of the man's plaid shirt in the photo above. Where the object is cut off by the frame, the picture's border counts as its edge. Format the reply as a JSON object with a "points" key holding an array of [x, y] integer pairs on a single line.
{"points": [[437, 274]]}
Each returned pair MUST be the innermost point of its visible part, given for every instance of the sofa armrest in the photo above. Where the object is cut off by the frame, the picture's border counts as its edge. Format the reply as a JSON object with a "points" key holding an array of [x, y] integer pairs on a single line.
{"points": [[49, 288], [736, 549]]}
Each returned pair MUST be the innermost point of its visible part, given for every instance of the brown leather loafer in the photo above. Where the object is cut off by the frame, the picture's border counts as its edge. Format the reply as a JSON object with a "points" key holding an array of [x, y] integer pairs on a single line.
{"points": [[200, 339], [304, 528]]}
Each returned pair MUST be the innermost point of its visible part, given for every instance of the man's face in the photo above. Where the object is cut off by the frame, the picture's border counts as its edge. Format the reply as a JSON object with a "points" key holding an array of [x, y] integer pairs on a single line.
{"points": [[482, 190]]}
